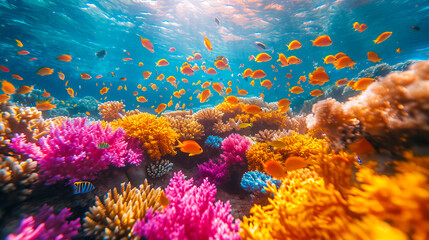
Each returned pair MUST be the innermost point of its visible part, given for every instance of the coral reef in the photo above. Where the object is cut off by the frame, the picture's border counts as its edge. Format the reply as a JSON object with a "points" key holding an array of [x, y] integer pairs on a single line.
{"points": [[111, 110], [80, 105], [114, 217], [182, 113], [47, 225], [187, 128], [296, 123], [159, 168], [234, 149], [214, 171], [156, 135], [70, 151], [258, 101], [267, 120], [270, 135], [302, 146], [213, 142], [230, 110], [208, 116], [221, 127], [255, 182], [191, 214], [132, 112], [260, 153]]}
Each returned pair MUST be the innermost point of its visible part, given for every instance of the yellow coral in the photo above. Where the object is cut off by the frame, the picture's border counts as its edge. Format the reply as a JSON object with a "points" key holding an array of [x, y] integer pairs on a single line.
{"points": [[187, 128], [111, 110], [231, 110], [243, 117], [157, 136], [114, 217], [221, 127], [302, 146], [260, 153], [267, 120]]}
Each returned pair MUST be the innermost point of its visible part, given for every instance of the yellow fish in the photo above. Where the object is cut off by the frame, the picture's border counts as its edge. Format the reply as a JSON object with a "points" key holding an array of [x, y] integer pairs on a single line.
{"points": [[277, 144], [245, 125]]}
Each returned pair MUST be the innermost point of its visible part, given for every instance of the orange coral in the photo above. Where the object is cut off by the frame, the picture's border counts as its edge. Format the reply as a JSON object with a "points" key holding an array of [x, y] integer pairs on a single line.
{"points": [[111, 110], [187, 128], [260, 153], [231, 110], [157, 136], [267, 120]]}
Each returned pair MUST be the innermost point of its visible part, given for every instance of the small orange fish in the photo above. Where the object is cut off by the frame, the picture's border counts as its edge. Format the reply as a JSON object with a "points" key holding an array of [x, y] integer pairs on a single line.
{"points": [[373, 57], [19, 43], [263, 57], [123, 79], [229, 83], [44, 105], [228, 90], [344, 62], [231, 100], [61, 76], [32, 59], [45, 94], [241, 92], [398, 50], [322, 41], [211, 71], [140, 64], [294, 163], [66, 83], [24, 89], [141, 99], [329, 59], [4, 98], [296, 90], [135, 93], [316, 93], [266, 83], [127, 59], [206, 84], [146, 74], [362, 27], [119, 88], [258, 74], [85, 76], [205, 95], [289, 75], [341, 82], [340, 55], [64, 58], [104, 90], [294, 45], [162, 63], [361, 146], [23, 52], [191, 147], [293, 60], [17, 77], [8, 87], [147, 44], [363, 83], [70, 91], [160, 77], [161, 107], [207, 43], [275, 169], [153, 86], [45, 71], [185, 80], [218, 88], [283, 60], [144, 89], [87, 113], [382, 37], [252, 109], [247, 73]]}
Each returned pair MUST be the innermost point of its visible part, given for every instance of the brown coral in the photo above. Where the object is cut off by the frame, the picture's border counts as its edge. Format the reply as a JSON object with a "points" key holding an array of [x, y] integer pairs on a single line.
{"points": [[221, 127], [181, 113], [295, 123], [111, 110], [114, 217], [187, 128], [132, 112], [208, 116], [230, 110]]}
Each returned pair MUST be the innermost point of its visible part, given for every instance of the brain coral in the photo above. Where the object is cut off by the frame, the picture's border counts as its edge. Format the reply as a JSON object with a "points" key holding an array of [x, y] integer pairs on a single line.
{"points": [[111, 110], [157, 136]]}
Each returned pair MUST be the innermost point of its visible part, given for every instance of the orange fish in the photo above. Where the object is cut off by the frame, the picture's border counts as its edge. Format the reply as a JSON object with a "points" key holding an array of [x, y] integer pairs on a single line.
{"points": [[17, 77], [283, 60], [220, 64], [258, 74], [195, 68], [241, 92], [319, 76], [19, 43], [322, 41], [275, 169], [139, 86], [162, 63], [363, 83], [231, 100], [104, 90], [289, 75], [32, 59], [182, 91], [262, 95], [66, 83], [153, 86], [85, 76], [283, 102], [23, 52], [341, 82], [160, 77], [218, 88], [191, 147], [4, 69], [64, 58], [127, 59], [44, 105], [361, 146], [119, 88], [211, 71], [147, 44], [123, 79], [329, 59], [185, 80], [263, 57], [340, 55], [187, 70], [344, 62], [144, 89], [206, 84], [362, 27], [296, 90], [302, 78], [398, 50], [161, 107], [8, 87], [208, 44], [356, 26], [252, 109], [45, 71], [135, 93], [45, 94], [373, 57], [204, 95], [146, 74], [247, 73], [382, 37], [266, 83], [4, 98], [316, 93], [228, 90], [177, 94], [294, 45], [351, 83], [61, 76], [294, 163], [293, 60], [70, 91], [141, 99], [25, 89], [170, 103], [87, 113]]}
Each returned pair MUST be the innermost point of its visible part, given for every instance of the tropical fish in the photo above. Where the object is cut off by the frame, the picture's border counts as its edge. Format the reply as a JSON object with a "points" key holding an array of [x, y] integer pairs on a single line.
{"points": [[322, 41], [231, 100], [361, 146], [24, 89], [294, 45], [82, 187], [123, 79], [17, 77], [260, 46], [398, 50], [363, 83], [373, 57], [70, 91], [44, 105], [205, 84], [104, 90], [172, 49], [252, 109], [141, 99], [258, 74], [228, 90], [263, 57], [293, 60], [146, 74], [276, 143], [85, 76], [161, 107], [296, 90], [207, 43], [266, 83], [160, 77], [341, 82], [8, 87], [241, 92], [316, 93], [204, 95], [218, 88], [247, 73], [275, 169], [141, 64], [4, 97], [294, 163], [245, 125], [382, 37], [329, 59], [19, 43], [147, 44], [45, 94], [103, 145], [211, 71], [191, 147], [162, 62], [23, 52], [101, 54], [64, 58], [4, 69], [289, 75], [127, 59], [344, 62], [45, 71]]}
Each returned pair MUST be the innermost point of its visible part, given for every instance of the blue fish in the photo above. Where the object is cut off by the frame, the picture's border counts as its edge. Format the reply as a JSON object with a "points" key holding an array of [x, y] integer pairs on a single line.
{"points": [[82, 187], [103, 145]]}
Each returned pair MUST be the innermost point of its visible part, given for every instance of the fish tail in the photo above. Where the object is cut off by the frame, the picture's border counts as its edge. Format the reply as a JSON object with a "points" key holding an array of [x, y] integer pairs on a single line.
{"points": [[313, 42], [375, 41], [179, 145]]}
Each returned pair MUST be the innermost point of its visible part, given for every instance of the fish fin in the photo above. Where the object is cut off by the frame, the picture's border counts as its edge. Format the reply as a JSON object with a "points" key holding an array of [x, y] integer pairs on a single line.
{"points": [[375, 41], [179, 145], [191, 154], [251, 124]]}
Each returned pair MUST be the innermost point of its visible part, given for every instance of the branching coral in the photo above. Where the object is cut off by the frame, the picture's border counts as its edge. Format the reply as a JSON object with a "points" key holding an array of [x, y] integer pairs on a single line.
{"points": [[70, 151], [159, 168], [187, 128], [234, 149], [47, 225], [114, 217], [267, 120], [302, 146], [132, 112], [221, 127], [242, 117], [215, 171], [156, 135], [230, 110], [191, 214], [260, 153], [213, 142], [111, 110], [255, 182]]}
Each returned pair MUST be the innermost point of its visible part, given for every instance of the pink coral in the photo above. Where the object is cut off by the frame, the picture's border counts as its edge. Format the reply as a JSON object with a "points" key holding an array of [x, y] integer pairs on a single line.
{"points": [[70, 151], [191, 214], [234, 149]]}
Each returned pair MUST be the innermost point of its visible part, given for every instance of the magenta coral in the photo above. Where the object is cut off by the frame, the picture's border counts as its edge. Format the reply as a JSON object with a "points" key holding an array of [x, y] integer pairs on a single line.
{"points": [[70, 151], [191, 214], [214, 171], [234, 149], [45, 225]]}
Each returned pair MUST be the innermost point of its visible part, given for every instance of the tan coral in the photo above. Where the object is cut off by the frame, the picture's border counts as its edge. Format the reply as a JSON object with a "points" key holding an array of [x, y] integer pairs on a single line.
{"points": [[111, 110], [114, 217], [296, 123], [132, 112], [181, 113], [221, 127], [187, 128], [208, 116], [230, 110], [267, 120]]}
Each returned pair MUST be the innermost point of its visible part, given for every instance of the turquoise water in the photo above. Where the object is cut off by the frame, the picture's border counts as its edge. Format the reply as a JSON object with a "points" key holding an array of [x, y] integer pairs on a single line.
{"points": [[48, 29]]}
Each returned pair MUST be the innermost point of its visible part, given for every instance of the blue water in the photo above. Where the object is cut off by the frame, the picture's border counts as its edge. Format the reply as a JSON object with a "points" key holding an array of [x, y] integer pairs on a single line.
{"points": [[80, 28]]}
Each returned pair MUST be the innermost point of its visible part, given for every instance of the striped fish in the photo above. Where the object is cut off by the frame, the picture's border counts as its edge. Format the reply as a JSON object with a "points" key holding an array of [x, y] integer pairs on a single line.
{"points": [[103, 145], [82, 187]]}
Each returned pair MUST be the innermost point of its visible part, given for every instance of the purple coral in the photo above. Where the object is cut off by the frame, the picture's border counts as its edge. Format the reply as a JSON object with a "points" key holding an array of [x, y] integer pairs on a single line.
{"points": [[70, 151], [214, 171], [191, 214], [234, 149], [46, 226]]}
